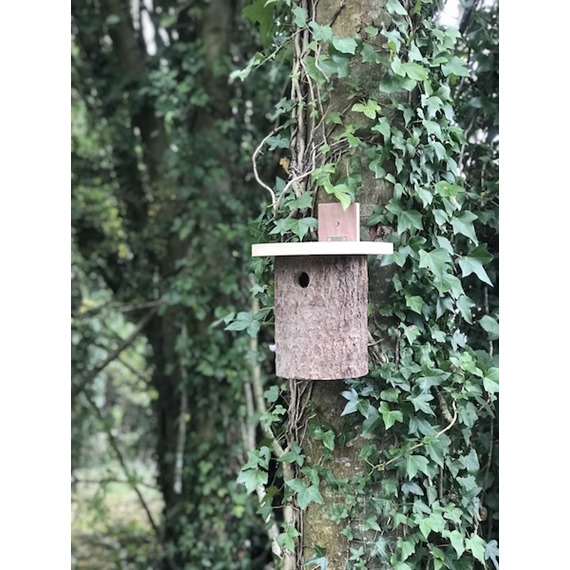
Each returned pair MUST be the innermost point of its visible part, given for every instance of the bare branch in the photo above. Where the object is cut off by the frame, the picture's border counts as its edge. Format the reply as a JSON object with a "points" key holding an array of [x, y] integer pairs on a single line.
{"points": [[80, 386]]}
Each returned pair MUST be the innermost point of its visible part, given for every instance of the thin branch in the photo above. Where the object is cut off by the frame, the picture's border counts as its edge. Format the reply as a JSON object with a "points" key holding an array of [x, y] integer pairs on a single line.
{"points": [[123, 463], [80, 386], [108, 480]]}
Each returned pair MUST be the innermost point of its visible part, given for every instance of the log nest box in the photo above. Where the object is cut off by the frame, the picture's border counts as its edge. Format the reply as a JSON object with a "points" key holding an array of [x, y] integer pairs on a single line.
{"points": [[321, 298]]}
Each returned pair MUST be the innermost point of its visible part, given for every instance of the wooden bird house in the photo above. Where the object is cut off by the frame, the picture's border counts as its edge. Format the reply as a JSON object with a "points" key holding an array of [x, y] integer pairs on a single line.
{"points": [[321, 298]]}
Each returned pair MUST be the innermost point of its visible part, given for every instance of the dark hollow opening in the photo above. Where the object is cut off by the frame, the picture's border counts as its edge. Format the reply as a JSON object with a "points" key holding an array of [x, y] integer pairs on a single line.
{"points": [[303, 279]]}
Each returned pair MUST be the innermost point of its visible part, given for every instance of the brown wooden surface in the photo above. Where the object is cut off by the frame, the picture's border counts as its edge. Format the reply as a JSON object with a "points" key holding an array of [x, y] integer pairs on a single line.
{"points": [[338, 224], [321, 328]]}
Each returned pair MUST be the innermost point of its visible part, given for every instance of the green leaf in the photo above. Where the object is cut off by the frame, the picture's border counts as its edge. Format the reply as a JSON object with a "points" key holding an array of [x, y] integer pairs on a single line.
{"points": [[491, 553], [286, 538], [490, 325], [305, 495], [444, 188], [390, 417], [302, 203], [300, 16], [465, 304], [420, 403], [321, 33], [413, 488], [251, 478], [491, 381], [294, 455], [470, 462], [415, 464], [407, 546], [470, 265], [394, 7], [457, 541], [369, 109], [455, 66], [408, 219], [414, 71], [345, 45], [271, 394], [464, 225], [245, 321], [259, 12], [432, 128], [415, 303], [435, 260], [477, 546]]}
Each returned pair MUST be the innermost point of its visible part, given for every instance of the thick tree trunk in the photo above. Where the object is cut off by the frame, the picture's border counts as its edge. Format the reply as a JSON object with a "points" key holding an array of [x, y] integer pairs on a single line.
{"points": [[327, 403]]}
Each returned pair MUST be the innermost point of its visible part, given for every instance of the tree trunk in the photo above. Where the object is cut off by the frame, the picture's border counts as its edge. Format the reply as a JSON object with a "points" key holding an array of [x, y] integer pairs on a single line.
{"points": [[326, 404]]}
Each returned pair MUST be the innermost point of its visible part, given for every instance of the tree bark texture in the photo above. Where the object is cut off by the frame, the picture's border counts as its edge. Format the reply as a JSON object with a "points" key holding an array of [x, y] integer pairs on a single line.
{"points": [[321, 306], [327, 403]]}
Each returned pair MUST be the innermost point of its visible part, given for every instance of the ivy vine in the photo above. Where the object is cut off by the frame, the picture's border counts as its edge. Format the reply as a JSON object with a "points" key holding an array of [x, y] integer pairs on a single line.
{"points": [[431, 400]]}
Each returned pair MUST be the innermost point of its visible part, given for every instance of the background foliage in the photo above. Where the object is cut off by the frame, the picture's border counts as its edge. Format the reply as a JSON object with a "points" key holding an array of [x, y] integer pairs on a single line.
{"points": [[164, 127]]}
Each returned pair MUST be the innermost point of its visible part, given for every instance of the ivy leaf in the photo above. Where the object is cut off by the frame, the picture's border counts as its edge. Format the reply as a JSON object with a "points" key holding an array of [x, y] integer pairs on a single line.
{"points": [[444, 188], [271, 394], [300, 16], [464, 225], [321, 33], [294, 455], [302, 203], [477, 546], [245, 321], [286, 539], [369, 109], [407, 546], [491, 381], [416, 463], [491, 553], [490, 325], [471, 265], [414, 71], [382, 127], [394, 7], [251, 478], [390, 417], [470, 462], [455, 66], [420, 403], [301, 227], [465, 304], [432, 128], [435, 260], [408, 219], [352, 398], [345, 45], [457, 541], [260, 12], [413, 488], [305, 495], [415, 303]]}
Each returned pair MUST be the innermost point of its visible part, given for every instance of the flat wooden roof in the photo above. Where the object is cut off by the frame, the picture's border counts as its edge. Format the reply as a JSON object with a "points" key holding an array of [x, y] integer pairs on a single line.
{"points": [[322, 248]]}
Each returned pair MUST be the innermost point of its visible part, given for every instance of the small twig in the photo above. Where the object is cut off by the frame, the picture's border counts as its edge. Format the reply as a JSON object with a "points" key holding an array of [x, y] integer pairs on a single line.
{"points": [[80, 386], [123, 463], [108, 480], [288, 185]]}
